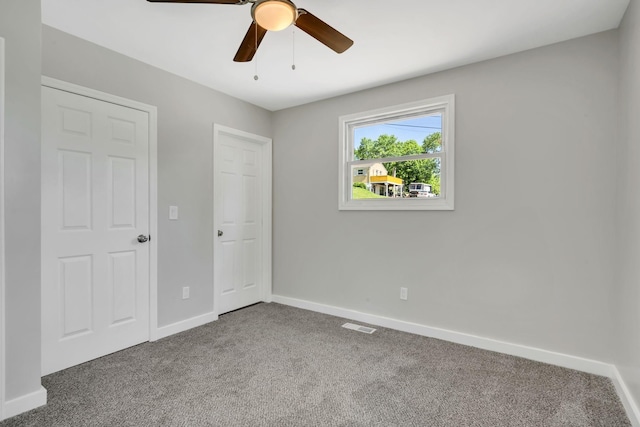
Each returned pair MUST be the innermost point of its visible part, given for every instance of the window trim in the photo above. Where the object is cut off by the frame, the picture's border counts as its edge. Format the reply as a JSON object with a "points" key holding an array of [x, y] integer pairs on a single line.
{"points": [[347, 123]]}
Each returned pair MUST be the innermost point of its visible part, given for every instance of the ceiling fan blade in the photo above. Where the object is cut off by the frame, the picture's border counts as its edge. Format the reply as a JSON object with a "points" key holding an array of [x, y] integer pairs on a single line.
{"points": [[249, 45], [199, 1], [322, 31]]}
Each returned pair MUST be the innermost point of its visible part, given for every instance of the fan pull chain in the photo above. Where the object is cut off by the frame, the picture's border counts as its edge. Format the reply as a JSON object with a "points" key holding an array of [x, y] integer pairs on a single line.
{"points": [[293, 49], [255, 77]]}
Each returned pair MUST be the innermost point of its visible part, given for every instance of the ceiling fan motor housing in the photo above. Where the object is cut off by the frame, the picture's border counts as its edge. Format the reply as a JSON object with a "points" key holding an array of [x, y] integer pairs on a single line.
{"points": [[274, 15]]}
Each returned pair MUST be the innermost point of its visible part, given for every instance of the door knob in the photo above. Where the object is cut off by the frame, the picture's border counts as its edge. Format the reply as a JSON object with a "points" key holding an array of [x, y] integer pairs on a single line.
{"points": [[220, 233], [142, 238]]}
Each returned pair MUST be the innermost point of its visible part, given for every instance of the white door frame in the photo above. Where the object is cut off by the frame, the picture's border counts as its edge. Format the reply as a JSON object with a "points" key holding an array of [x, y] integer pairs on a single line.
{"points": [[153, 182], [3, 377], [267, 167]]}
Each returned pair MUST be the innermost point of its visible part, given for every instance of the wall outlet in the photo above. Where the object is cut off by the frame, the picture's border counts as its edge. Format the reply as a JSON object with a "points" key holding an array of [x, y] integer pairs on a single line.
{"points": [[403, 293], [185, 292]]}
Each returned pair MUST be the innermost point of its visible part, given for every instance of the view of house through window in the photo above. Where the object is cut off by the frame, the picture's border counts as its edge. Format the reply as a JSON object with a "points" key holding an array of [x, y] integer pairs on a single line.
{"points": [[380, 170]]}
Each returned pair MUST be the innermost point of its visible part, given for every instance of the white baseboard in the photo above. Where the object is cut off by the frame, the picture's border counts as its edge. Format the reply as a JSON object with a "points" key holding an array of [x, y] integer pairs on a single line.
{"points": [[25, 403], [559, 359], [625, 396], [183, 325], [531, 353]]}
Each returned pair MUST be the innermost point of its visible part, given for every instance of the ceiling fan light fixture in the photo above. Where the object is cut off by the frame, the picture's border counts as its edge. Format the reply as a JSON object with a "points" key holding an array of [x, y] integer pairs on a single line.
{"points": [[274, 15]]}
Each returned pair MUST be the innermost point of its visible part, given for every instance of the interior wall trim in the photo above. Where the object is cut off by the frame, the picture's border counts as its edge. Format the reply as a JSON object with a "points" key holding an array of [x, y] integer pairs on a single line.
{"points": [[625, 396], [26, 403], [532, 353], [185, 325], [2, 247]]}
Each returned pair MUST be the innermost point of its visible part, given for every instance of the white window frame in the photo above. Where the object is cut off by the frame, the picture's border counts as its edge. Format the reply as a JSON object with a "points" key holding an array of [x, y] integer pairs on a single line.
{"points": [[347, 125]]}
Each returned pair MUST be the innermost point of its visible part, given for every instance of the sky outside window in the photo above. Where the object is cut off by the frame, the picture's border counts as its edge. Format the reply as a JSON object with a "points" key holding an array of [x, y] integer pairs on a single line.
{"points": [[415, 128]]}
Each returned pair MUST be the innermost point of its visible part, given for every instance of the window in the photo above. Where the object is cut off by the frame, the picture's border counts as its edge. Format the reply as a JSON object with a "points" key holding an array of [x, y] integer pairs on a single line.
{"points": [[409, 147]]}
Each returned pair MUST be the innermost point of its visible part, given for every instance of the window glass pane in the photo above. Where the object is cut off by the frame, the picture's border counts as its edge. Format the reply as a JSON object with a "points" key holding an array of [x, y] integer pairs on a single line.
{"points": [[400, 137], [406, 179]]}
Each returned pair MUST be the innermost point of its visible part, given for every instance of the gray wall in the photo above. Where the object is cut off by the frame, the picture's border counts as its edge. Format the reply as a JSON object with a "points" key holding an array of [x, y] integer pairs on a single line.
{"points": [[186, 113], [20, 27], [526, 257], [628, 220]]}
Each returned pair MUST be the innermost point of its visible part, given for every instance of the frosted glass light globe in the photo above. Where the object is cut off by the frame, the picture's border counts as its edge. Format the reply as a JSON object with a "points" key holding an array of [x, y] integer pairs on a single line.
{"points": [[275, 15]]}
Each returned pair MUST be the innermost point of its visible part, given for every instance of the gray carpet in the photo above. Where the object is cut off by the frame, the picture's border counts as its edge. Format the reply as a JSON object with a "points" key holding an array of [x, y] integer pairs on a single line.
{"points": [[272, 365]]}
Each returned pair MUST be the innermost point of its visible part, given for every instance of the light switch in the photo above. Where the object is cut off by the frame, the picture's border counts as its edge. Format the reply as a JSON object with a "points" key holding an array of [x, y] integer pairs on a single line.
{"points": [[173, 212]]}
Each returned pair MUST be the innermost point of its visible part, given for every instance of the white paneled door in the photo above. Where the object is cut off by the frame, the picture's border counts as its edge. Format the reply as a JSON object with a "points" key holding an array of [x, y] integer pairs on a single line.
{"points": [[95, 219], [241, 253]]}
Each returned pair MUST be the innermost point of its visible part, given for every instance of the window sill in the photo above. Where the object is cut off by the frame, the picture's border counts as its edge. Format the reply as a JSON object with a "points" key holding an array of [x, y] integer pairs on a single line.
{"points": [[439, 204]]}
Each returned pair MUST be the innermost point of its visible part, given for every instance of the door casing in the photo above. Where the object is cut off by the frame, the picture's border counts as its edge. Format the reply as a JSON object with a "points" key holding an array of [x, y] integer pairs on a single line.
{"points": [[2, 248], [265, 268]]}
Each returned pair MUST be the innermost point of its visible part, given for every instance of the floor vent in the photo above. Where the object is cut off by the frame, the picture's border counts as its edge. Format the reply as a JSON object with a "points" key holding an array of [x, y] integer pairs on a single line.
{"points": [[359, 328]]}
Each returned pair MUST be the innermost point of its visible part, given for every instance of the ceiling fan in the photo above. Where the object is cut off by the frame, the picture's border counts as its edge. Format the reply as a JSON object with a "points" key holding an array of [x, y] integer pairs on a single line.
{"points": [[276, 15]]}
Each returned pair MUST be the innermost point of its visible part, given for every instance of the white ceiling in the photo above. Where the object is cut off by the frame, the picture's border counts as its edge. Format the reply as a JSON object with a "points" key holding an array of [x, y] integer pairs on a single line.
{"points": [[394, 40]]}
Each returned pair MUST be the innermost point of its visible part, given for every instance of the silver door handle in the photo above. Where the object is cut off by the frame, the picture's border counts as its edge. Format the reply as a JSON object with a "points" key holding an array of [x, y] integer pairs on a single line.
{"points": [[220, 233], [142, 238]]}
